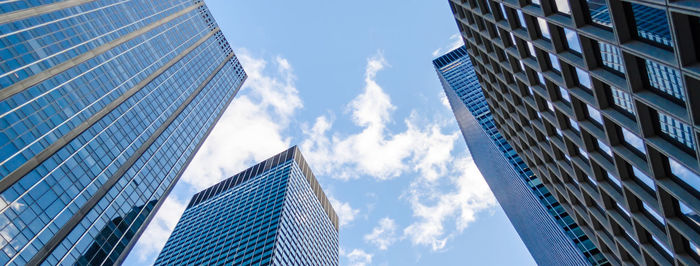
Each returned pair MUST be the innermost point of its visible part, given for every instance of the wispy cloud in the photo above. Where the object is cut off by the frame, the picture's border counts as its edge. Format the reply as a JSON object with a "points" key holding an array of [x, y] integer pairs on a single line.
{"points": [[252, 128], [357, 257], [346, 214], [455, 41], [384, 234], [435, 207], [375, 151], [156, 234]]}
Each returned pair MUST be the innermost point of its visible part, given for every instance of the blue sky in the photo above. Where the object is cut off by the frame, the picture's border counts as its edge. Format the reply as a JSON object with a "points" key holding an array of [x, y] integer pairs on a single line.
{"points": [[351, 83]]}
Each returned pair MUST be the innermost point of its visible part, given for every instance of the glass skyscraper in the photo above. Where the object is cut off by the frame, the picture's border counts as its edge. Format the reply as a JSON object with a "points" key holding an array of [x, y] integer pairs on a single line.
{"points": [[600, 99], [102, 105], [272, 213], [549, 233]]}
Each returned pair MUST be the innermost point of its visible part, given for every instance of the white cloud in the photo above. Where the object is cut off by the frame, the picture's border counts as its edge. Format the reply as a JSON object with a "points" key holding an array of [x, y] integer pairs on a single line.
{"points": [[455, 42], [384, 234], [434, 207], [156, 234], [375, 151], [252, 128], [346, 214], [357, 257]]}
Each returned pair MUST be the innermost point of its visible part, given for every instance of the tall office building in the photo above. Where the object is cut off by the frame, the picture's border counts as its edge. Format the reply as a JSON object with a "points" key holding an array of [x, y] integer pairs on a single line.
{"points": [[272, 213], [600, 100], [549, 233], [102, 105]]}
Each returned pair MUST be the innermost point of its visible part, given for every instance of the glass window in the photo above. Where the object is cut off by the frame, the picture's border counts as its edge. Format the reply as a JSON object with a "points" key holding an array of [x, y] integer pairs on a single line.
{"points": [[512, 38], [562, 6], [661, 245], [632, 139], [564, 95], [614, 180], [522, 65], [572, 40], [503, 10], [531, 48], [555, 62], [535, 2], [665, 79], [689, 213], [592, 180], [605, 148], [594, 114], [559, 133], [622, 100], [521, 19], [645, 179], [544, 29], [540, 77], [653, 213], [574, 125], [582, 152], [684, 174], [611, 57], [583, 78], [652, 24], [676, 130], [694, 248], [624, 211], [550, 106], [598, 10]]}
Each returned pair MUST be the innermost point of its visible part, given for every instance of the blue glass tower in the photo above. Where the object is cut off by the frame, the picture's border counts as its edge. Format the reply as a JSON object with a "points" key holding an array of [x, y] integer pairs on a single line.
{"points": [[550, 234], [272, 213], [102, 105]]}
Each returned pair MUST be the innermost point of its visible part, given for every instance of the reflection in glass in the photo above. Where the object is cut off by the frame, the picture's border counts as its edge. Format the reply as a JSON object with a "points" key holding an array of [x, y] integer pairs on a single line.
{"points": [[563, 6], [599, 13], [572, 40], [611, 57], [652, 24], [684, 174], [676, 130], [665, 79]]}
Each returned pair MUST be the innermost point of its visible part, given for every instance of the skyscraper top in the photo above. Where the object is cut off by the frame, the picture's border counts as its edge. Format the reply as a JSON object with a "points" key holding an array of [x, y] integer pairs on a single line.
{"points": [[292, 153]]}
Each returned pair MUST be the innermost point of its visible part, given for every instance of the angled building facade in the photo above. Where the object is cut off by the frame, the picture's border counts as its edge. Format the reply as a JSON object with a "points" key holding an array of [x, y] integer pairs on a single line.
{"points": [[599, 98], [273, 213], [102, 105], [549, 233]]}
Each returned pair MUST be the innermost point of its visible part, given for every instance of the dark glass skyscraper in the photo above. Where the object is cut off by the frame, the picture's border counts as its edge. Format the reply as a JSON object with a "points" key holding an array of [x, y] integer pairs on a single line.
{"points": [[600, 98], [550, 234], [102, 105], [272, 213]]}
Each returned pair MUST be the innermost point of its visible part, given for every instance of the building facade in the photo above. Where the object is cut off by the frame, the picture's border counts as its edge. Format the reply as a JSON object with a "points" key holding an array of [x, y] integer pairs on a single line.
{"points": [[600, 99], [102, 105], [549, 233], [273, 213]]}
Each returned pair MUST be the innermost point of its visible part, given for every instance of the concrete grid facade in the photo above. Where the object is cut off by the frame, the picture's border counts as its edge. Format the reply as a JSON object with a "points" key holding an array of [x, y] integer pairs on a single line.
{"points": [[600, 98]]}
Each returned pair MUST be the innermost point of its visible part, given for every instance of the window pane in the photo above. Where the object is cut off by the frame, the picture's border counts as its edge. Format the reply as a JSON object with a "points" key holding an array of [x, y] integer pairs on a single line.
{"points": [[540, 77], [684, 174], [574, 125], [550, 106], [605, 148], [564, 94], [594, 114], [598, 10], [633, 140], [614, 180], [611, 57], [555, 62], [563, 6], [544, 29], [503, 10], [665, 79], [676, 130], [653, 213], [622, 100], [572, 40], [531, 48], [644, 178], [535, 2], [512, 38], [689, 213], [521, 18], [652, 24], [583, 78]]}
